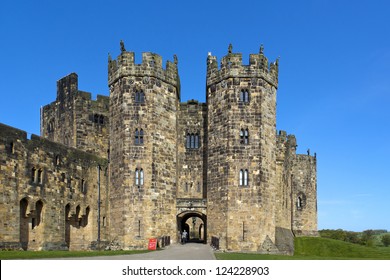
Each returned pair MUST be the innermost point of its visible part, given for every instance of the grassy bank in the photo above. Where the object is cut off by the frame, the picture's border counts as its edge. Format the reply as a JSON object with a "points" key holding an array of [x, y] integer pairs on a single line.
{"points": [[21, 255], [316, 248]]}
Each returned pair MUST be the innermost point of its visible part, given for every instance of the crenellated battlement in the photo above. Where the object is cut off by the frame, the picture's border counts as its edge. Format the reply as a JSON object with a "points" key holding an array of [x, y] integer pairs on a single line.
{"points": [[232, 66], [151, 66]]}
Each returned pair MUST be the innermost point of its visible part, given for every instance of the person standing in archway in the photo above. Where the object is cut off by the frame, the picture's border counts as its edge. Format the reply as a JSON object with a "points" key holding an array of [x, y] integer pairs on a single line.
{"points": [[184, 237]]}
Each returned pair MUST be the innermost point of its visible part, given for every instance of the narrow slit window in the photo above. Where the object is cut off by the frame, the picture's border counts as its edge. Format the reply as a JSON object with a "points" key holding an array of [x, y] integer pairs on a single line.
{"points": [[141, 137], [188, 141], [137, 177], [141, 177], [136, 137], [33, 173], [39, 177]]}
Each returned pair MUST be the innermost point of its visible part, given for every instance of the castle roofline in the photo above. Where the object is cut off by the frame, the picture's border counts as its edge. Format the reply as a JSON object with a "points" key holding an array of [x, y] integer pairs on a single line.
{"points": [[232, 66], [151, 66]]}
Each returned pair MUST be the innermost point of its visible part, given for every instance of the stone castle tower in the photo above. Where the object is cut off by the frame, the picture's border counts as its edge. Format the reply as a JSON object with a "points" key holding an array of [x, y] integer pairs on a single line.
{"points": [[159, 166]]}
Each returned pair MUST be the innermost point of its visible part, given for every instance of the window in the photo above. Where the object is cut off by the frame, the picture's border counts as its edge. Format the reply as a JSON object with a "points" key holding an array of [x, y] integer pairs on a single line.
{"points": [[139, 137], [299, 202], [33, 173], [244, 136], [58, 160], [139, 177], [196, 141], [188, 141], [198, 188], [50, 126], [244, 96], [243, 177], [40, 177], [139, 96], [83, 186], [192, 141], [62, 177]]}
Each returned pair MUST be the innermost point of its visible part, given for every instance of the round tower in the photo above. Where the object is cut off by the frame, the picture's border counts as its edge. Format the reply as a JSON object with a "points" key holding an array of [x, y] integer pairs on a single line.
{"points": [[144, 100], [241, 177]]}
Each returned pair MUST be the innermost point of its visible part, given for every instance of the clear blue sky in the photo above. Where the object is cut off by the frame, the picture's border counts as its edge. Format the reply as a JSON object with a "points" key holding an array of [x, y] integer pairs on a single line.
{"points": [[334, 74]]}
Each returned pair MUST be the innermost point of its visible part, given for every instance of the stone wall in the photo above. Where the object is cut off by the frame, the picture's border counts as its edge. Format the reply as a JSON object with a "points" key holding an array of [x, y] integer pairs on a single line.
{"points": [[191, 149], [48, 193]]}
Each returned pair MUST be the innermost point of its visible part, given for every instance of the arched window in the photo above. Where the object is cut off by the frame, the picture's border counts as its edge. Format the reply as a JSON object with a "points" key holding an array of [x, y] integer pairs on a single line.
{"points": [[244, 96], [33, 174], [196, 141], [244, 136], [139, 96], [136, 177], [83, 186], [40, 176], [246, 177], [188, 141], [192, 141], [139, 177], [243, 177]]}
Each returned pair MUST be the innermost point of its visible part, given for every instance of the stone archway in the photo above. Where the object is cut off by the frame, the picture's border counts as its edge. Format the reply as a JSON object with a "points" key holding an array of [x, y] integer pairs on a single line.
{"points": [[195, 223]]}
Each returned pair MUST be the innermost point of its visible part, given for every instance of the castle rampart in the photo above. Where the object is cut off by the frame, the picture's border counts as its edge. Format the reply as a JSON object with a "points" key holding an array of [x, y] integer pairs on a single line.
{"points": [[232, 67], [48, 191], [151, 67]]}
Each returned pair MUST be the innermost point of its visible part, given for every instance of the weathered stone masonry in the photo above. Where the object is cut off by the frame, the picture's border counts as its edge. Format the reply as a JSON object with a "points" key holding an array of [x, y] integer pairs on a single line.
{"points": [[217, 169]]}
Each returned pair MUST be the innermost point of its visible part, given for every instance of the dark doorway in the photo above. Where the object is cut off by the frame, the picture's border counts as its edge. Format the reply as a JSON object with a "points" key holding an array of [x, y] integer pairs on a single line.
{"points": [[67, 225], [195, 223], [24, 224]]}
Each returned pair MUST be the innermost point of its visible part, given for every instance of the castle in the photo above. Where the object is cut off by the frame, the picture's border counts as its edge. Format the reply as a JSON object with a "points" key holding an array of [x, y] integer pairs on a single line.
{"points": [[141, 164]]}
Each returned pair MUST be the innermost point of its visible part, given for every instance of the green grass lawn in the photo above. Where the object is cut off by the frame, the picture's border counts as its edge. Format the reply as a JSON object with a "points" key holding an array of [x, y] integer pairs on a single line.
{"points": [[317, 248], [12, 255]]}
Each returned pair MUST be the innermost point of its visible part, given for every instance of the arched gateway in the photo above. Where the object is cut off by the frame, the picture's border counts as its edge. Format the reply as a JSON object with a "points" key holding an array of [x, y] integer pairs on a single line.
{"points": [[192, 218]]}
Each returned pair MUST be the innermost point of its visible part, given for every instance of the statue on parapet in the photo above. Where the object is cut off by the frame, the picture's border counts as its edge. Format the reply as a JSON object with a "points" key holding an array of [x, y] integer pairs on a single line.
{"points": [[123, 49], [175, 59], [230, 49]]}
